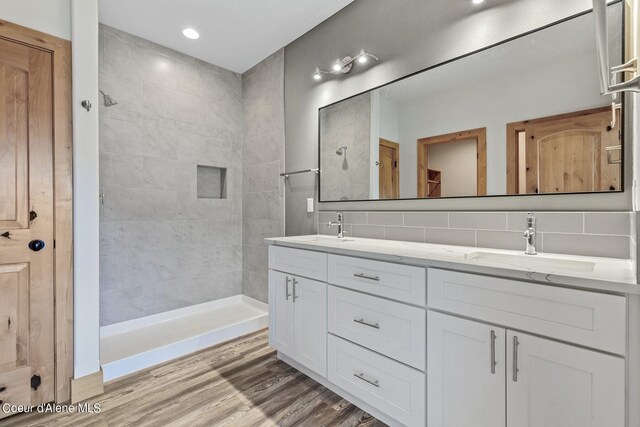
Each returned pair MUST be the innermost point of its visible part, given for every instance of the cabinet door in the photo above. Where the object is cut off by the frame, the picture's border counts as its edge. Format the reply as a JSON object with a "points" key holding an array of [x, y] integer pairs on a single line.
{"points": [[550, 384], [310, 301], [281, 313], [466, 373]]}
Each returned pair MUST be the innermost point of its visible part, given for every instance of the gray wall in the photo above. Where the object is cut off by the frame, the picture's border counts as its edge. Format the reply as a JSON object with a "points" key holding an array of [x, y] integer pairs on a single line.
{"points": [[263, 160], [161, 248], [408, 36]]}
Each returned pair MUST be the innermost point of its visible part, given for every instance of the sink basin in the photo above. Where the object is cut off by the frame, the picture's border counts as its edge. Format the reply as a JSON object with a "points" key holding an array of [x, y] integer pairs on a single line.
{"points": [[534, 262], [318, 238]]}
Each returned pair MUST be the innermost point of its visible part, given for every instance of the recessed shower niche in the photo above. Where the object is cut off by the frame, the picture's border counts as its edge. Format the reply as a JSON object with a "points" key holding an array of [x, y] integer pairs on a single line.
{"points": [[212, 182]]}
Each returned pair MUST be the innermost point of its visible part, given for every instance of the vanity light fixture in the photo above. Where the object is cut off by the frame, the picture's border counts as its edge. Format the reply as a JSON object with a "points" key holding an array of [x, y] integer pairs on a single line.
{"points": [[362, 58], [344, 65], [190, 33]]}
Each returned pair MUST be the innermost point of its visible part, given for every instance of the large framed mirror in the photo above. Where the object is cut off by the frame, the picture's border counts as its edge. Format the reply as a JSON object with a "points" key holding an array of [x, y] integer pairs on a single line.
{"points": [[521, 117]]}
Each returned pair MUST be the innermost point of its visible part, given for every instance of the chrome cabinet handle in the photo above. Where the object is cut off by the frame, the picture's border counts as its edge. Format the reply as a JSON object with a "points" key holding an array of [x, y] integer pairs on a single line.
{"points": [[516, 343], [375, 325], [286, 290], [493, 352], [366, 379], [364, 276], [295, 282]]}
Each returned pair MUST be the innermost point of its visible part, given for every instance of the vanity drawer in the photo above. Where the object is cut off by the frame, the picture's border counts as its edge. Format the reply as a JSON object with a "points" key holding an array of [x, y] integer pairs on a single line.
{"points": [[16, 388], [400, 282], [587, 318], [298, 262], [395, 389], [391, 328]]}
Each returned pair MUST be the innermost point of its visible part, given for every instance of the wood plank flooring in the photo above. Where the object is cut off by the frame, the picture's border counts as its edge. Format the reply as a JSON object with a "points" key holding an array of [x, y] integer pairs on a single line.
{"points": [[238, 383]]}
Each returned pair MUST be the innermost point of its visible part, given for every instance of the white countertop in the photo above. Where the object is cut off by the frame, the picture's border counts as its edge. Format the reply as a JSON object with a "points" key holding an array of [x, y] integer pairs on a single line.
{"points": [[602, 274]]}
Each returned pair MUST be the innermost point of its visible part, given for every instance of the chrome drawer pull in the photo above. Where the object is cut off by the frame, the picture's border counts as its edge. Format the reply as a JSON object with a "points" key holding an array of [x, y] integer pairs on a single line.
{"points": [[493, 352], [366, 323], [286, 290], [364, 378], [516, 343], [295, 282], [364, 276]]}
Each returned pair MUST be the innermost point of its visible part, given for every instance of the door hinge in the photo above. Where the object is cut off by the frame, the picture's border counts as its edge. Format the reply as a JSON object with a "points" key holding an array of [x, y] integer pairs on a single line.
{"points": [[54, 243], [395, 163]]}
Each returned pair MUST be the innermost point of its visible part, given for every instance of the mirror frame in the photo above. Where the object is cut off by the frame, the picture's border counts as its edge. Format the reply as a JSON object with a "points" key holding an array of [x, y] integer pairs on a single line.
{"points": [[617, 200]]}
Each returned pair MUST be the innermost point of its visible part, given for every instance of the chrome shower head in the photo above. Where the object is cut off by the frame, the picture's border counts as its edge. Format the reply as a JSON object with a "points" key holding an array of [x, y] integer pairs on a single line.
{"points": [[340, 151], [107, 99]]}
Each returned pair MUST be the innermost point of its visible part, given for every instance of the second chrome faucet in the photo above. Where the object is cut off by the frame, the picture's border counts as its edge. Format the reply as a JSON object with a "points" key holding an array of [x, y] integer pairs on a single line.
{"points": [[530, 235], [340, 224]]}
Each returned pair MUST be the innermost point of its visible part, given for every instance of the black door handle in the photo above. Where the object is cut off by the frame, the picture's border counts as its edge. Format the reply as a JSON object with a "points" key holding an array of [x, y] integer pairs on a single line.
{"points": [[36, 245]]}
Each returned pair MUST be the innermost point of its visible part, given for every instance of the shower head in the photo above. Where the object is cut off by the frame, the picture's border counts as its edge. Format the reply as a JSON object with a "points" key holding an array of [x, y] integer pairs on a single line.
{"points": [[107, 99], [340, 151]]}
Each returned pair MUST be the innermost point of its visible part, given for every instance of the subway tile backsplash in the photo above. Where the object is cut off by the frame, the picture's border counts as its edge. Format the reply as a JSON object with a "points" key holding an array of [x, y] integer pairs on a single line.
{"points": [[602, 234]]}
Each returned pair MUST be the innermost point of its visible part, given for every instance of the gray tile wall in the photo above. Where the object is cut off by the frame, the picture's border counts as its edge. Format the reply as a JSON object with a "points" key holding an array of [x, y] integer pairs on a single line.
{"points": [[346, 176], [605, 234], [263, 160], [161, 247]]}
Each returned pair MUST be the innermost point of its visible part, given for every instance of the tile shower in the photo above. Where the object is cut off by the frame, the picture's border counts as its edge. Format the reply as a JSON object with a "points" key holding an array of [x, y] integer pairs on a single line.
{"points": [[163, 247], [174, 152]]}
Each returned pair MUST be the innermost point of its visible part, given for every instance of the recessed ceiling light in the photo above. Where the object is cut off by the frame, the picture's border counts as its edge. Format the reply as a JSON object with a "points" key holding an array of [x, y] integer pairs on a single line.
{"points": [[192, 34], [477, 1]]}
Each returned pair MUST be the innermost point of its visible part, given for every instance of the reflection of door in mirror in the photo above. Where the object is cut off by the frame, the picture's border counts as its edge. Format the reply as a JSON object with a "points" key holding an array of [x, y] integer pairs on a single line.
{"points": [[389, 171], [453, 165], [568, 153]]}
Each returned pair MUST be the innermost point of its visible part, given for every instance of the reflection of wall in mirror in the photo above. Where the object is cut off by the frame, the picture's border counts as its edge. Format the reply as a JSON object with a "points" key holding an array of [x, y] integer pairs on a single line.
{"points": [[483, 90], [346, 176], [384, 125], [457, 164]]}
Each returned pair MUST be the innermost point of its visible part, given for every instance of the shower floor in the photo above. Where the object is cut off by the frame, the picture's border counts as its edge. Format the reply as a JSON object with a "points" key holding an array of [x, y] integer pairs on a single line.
{"points": [[137, 344]]}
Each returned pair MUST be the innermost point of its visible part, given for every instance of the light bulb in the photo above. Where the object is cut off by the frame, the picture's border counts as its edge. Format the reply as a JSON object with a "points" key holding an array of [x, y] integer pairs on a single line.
{"points": [[477, 1], [317, 75], [190, 33], [362, 57], [337, 66]]}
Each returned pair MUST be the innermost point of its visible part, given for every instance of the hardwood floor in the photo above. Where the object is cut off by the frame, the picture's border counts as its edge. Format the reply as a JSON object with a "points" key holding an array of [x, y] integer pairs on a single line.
{"points": [[238, 383]]}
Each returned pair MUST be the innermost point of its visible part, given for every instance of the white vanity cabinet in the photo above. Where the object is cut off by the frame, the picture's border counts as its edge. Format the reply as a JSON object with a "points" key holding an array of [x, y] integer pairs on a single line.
{"points": [[551, 384], [544, 383], [466, 366], [475, 367], [422, 346], [298, 319]]}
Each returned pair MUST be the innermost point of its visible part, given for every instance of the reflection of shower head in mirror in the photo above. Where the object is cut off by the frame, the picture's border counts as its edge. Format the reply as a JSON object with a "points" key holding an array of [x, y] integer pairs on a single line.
{"points": [[342, 150]]}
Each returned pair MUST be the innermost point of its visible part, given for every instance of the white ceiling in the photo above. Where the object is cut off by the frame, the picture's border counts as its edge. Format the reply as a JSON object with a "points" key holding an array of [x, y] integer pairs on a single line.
{"points": [[234, 34]]}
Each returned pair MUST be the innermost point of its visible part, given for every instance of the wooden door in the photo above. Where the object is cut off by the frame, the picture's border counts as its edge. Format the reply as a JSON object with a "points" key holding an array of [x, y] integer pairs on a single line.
{"points": [[310, 301], [430, 179], [564, 154], [559, 385], [389, 169], [466, 373], [26, 215], [281, 314]]}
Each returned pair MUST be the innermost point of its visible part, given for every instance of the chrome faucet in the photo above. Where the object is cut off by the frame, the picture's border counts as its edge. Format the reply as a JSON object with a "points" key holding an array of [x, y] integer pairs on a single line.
{"points": [[530, 235], [340, 224]]}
